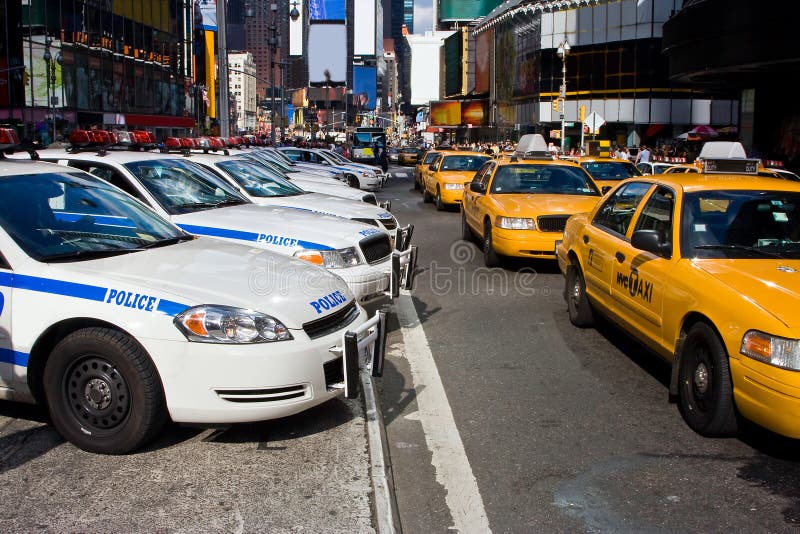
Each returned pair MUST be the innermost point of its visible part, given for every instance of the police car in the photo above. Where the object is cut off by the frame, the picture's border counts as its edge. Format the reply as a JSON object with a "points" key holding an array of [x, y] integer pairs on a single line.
{"points": [[256, 185], [201, 203], [116, 320], [337, 158], [355, 175]]}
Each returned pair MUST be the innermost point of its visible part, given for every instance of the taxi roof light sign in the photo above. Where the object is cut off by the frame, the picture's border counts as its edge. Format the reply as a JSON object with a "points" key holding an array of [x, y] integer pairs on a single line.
{"points": [[722, 150], [730, 166], [533, 146]]}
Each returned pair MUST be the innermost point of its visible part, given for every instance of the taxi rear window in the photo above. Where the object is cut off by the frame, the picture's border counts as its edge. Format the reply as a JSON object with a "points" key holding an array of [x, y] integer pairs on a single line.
{"points": [[463, 163], [610, 170], [542, 179]]}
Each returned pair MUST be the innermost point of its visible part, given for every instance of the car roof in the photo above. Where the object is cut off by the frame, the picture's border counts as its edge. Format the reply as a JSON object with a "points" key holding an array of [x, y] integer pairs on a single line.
{"points": [[18, 166], [118, 156], [537, 161], [464, 153], [589, 159], [693, 182]]}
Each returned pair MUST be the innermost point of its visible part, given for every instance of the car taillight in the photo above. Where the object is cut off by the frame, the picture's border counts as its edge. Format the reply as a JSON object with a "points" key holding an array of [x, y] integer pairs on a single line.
{"points": [[8, 138]]}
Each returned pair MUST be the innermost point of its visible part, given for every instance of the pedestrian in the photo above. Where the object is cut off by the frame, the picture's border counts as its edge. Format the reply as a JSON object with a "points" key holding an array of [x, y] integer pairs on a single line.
{"points": [[384, 160], [644, 155]]}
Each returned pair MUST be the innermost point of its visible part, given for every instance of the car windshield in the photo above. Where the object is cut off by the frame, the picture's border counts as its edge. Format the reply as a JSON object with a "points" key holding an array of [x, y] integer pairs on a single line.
{"points": [[72, 216], [279, 155], [182, 186], [429, 157], [338, 158], [410, 151], [610, 170], [463, 163], [542, 179], [254, 179], [741, 224]]}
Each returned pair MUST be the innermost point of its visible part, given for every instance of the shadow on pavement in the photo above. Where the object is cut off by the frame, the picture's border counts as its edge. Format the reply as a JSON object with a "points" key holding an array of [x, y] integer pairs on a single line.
{"points": [[394, 394]]}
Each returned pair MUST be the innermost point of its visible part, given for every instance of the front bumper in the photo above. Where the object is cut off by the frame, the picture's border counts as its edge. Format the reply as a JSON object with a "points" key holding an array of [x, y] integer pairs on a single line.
{"points": [[208, 383], [525, 243], [767, 395], [451, 196]]}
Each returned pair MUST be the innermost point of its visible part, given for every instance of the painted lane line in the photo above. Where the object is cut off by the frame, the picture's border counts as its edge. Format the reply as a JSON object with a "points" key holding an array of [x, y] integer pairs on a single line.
{"points": [[449, 459]]}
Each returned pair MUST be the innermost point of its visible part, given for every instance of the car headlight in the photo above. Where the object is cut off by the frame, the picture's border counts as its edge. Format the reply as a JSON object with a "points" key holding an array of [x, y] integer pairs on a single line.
{"points": [[515, 223], [330, 259], [225, 324], [368, 174], [773, 350], [454, 186]]}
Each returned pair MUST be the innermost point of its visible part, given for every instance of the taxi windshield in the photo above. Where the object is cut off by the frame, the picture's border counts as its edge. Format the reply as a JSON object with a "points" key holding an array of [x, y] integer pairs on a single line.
{"points": [[65, 216], [610, 170], [741, 224], [254, 179], [183, 186], [429, 157], [463, 163], [542, 179]]}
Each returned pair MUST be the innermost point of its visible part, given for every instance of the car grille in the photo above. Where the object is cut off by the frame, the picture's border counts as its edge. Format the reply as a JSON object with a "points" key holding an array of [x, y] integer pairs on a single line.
{"points": [[552, 223], [370, 199], [376, 248], [334, 373], [262, 395], [331, 323], [389, 224], [371, 222]]}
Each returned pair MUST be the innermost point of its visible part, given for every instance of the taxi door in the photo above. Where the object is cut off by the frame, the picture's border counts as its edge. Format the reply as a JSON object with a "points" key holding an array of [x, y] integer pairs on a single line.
{"points": [[472, 203], [427, 175], [639, 277], [607, 232], [7, 354]]}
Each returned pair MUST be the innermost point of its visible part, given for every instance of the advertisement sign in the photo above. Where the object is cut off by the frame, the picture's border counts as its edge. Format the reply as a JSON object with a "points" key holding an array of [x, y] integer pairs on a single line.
{"points": [[327, 54], [365, 87], [326, 10], [450, 10], [445, 113], [208, 13], [483, 51], [364, 28], [474, 112]]}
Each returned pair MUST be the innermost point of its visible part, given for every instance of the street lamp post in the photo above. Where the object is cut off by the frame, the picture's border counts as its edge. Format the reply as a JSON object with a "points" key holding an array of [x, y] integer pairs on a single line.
{"points": [[563, 51], [50, 78]]}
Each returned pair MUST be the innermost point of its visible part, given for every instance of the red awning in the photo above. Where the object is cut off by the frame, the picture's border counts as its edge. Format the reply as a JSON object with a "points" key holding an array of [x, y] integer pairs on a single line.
{"points": [[654, 129], [162, 121]]}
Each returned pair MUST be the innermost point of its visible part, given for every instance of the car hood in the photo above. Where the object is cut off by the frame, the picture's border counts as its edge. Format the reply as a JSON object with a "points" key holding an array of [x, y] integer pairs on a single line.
{"points": [[335, 190], [208, 271], [312, 177], [327, 205], [458, 177], [773, 284], [278, 229], [518, 205]]}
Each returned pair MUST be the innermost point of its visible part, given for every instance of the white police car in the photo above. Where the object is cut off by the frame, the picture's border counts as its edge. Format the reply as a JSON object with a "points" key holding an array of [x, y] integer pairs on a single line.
{"points": [[259, 187], [338, 158], [355, 174], [116, 320], [201, 203]]}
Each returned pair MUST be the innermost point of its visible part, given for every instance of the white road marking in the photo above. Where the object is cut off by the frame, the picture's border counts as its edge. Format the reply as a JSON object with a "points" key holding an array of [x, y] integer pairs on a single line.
{"points": [[400, 174], [449, 459]]}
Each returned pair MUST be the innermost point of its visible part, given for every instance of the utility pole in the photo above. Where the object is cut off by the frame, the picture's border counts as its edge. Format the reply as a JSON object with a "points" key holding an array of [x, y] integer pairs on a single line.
{"points": [[222, 76]]}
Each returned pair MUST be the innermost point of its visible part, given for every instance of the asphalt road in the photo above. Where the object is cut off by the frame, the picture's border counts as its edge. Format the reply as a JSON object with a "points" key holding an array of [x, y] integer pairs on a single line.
{"points": [[564, 430]]}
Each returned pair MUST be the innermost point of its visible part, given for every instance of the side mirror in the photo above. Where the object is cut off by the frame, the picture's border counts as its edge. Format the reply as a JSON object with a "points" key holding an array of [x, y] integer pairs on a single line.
{"points": [[477, 187], [650, 241], [605, 189]]}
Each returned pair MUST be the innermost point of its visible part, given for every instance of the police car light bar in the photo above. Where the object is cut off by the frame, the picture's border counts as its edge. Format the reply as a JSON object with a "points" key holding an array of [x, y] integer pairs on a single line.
{"points": [[8, 138], [730, 166], [773, 163]]}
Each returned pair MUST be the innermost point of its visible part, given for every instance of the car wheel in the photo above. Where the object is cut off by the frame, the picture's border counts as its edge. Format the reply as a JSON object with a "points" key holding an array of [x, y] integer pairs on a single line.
{"points": [[352, 181], [437, 200], [416, 184], [490, 257], [103, 391], [578, 305], [466, 231], [705, 391], [427, 198]]}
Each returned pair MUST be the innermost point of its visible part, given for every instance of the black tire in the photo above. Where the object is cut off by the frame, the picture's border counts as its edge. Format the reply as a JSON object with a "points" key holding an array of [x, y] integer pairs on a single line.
{"points": [[427, 198], [437, 200], [352, 181], [578, 305], [103, 392], [705, 390], [490, 257], [416, 183], [466, 231]]}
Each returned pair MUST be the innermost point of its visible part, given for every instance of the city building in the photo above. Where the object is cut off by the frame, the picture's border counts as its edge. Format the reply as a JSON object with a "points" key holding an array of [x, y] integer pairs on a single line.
{"points": [[67, 64], [242, 83]]}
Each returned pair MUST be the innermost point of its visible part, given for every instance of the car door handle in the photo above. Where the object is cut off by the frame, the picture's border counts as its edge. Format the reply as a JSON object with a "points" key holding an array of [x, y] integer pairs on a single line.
{"points": [[586, 239], [620, 257]]}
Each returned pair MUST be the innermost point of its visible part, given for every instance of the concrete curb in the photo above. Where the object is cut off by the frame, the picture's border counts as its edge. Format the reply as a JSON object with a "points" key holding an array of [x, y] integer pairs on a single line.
{"points": [[387, 518]]}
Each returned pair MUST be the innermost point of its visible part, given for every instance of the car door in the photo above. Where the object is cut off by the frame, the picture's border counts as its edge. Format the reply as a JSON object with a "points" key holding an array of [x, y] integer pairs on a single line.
{"points": [[7, 354], [474, 204], [601, 239], [639, 277], [428, 174]]}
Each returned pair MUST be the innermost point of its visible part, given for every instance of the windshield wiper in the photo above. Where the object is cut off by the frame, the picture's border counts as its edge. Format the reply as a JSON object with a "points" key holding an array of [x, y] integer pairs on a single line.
{"points": [[739, 247], [86, 254], [168, 241], [195, 205], [228, 202]]}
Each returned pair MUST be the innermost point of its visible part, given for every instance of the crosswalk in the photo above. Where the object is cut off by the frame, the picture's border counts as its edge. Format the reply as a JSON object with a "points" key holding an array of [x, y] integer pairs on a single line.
{"points": [[399, 174]]}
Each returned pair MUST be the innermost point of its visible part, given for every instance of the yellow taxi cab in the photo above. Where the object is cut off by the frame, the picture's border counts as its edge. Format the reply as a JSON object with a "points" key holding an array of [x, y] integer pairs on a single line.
{"points": [[422, 166], [705, 270], [443, 184], [607, 172], [519, 206], [408, 155]]}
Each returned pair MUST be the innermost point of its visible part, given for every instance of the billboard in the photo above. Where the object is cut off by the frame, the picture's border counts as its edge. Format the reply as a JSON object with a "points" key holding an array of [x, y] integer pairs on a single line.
{"points": [[474, 112], [445, 114], [465, 9], [326, 10], [327, 54], [296, 32], [364, 28], [483, 51], [208, 13], [365, 87]]}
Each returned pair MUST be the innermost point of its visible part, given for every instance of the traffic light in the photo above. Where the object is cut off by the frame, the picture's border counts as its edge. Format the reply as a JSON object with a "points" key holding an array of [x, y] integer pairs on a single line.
{"points": [[582, 113], [25, 77], [555, 105]]}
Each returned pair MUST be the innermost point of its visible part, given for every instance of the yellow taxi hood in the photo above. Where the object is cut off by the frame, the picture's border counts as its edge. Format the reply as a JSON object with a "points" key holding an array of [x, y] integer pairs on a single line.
{"points": [[772, 284], [538, 204], [456, 177]]}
